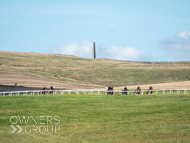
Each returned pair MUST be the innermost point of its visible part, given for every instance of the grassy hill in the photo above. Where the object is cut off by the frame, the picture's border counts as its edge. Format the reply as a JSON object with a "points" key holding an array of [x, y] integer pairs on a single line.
{"points": [[98, 72]]}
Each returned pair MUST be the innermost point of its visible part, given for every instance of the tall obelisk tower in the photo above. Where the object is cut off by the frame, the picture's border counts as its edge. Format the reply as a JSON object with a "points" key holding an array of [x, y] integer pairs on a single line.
{"points": [[94, 51]]}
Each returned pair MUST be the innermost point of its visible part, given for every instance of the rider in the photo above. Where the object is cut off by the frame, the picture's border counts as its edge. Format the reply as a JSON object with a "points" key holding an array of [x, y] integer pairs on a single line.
{"points": [[52, 88], [150, 89], [124, 91], [138, 88], [44, 88]]}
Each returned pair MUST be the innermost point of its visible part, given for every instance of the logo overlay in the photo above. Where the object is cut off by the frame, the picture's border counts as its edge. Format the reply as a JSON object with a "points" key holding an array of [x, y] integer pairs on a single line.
{"points": [[39, 124]]}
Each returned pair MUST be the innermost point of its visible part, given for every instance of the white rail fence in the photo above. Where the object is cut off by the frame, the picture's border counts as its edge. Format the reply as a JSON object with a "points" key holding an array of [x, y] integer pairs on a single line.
{"points": [[95, 92]]}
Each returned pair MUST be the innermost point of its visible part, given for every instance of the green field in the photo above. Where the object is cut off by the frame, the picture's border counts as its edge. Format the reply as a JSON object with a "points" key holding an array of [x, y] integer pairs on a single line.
{"points": [[85, 118]]}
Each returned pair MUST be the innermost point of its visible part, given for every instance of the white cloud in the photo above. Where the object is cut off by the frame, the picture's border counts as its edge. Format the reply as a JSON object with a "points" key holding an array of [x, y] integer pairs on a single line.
{"points": [[184, 34], [84, 49], [126, 53], [178, 46]]}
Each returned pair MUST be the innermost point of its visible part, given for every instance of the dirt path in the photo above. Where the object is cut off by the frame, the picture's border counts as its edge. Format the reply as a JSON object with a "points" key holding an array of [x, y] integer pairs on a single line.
{"points": [[173, 85]]}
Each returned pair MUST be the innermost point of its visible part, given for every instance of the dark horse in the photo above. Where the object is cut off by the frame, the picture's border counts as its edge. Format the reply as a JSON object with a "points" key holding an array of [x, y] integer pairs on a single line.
{"points": [[138, 91], [51, 91], [124, 91], [149, 90], [110, 90]]}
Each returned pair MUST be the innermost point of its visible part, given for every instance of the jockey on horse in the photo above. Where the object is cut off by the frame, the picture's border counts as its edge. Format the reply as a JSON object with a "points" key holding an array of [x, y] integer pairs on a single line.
{"points": [[149, 90], [43, 90], [138, 90], [110, 90], [124, 91], [51, 89]]}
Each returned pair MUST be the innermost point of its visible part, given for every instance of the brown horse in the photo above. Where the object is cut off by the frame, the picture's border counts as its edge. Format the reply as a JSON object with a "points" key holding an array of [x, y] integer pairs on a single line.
{"points": [[109, 92], [51, 91], [149, 90], [42, 92], [138, 91]]}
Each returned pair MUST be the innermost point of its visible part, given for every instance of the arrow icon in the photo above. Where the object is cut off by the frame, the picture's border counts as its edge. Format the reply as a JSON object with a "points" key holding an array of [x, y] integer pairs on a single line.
{"points": [[15, 129], [19, 128]]}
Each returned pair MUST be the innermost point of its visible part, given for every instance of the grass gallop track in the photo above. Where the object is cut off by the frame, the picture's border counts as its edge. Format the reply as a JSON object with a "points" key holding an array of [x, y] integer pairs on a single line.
{"points": [[84, 118]]}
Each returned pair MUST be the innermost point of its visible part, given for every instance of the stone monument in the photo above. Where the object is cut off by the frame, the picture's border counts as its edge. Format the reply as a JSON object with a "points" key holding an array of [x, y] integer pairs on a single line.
{"points": [[94, 51]]}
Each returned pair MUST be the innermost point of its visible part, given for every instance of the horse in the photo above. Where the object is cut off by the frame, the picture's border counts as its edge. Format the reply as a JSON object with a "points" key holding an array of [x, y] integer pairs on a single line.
{"points": [[138, 91], [50, 92], [149, 90], [124, 91], [42, 92], [110, 90]]}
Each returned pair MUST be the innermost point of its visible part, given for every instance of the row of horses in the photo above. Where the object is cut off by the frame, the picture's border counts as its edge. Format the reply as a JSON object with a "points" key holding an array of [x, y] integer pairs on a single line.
{"points": [[109, 91], [124, 91], [44, 91]]}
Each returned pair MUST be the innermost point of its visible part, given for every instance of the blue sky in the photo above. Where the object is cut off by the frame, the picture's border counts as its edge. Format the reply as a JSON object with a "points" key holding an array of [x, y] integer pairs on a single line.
{"points": [[137, 30]]}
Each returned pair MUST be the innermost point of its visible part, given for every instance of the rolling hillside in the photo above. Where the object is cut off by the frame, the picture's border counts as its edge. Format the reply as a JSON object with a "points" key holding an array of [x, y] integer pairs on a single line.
{"points": [[79, 72]]}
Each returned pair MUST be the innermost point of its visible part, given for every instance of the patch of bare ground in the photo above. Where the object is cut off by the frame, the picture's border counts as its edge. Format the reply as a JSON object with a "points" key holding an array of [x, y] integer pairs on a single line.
{"points": [[26, 81], [172, 85]]}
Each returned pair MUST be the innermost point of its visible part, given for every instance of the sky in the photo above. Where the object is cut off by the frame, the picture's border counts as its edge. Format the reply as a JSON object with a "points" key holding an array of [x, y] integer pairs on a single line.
{"points": [[134, 30]]}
